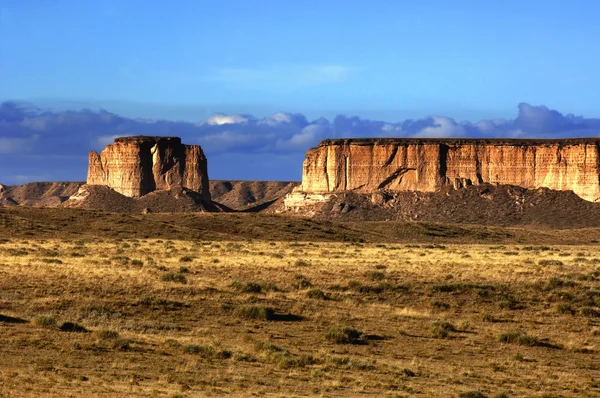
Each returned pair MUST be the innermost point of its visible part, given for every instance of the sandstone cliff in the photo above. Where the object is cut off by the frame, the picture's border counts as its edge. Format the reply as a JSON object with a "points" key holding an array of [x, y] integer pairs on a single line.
{"points": [[427, 165], [136, 166]]}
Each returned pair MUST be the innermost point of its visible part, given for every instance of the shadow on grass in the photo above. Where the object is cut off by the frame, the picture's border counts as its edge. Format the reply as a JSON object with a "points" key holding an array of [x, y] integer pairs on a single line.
{"points": [[286, 318], [10, 319]]}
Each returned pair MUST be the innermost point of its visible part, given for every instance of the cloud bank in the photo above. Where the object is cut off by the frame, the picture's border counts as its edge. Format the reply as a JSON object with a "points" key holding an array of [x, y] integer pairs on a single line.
{"points": [[54, 145]]}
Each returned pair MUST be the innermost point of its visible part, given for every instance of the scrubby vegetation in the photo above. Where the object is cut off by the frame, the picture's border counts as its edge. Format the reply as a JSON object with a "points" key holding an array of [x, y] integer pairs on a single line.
{"points": [[117, 316]]}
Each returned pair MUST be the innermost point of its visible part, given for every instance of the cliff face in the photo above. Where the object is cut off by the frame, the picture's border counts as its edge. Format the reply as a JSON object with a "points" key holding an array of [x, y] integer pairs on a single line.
{"points": [[367, 165], [135, 166]]}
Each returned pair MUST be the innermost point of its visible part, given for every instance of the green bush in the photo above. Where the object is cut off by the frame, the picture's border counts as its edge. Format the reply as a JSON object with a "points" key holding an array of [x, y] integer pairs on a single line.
{"points": [[344, 335], [174, 277], [518, 337], [255, 312]]}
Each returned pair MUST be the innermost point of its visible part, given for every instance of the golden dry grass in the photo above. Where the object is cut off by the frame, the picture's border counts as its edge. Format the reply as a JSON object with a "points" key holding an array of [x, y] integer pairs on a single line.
{"points": [[240, 318]]}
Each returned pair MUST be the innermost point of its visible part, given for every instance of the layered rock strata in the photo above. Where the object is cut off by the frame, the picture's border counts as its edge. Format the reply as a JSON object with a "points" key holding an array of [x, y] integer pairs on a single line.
{"points": [[136, 166], [402, 164]]}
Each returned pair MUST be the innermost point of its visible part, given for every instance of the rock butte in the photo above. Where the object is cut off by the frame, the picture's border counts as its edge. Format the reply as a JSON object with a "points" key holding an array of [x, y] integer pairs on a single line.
{"points": [[135, 166], [421, 164]]}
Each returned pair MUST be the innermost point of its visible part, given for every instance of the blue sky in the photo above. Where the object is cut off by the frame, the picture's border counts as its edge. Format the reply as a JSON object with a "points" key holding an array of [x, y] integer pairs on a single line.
{"points": [[377, 60]]}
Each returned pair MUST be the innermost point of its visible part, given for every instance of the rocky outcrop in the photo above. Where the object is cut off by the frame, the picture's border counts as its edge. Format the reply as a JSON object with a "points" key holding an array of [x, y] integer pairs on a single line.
{"points": [[136, 166], [427, 165]]}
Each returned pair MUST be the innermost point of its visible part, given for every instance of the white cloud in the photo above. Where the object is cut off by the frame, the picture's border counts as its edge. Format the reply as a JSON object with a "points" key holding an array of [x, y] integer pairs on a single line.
{"points": [[219, 119]]}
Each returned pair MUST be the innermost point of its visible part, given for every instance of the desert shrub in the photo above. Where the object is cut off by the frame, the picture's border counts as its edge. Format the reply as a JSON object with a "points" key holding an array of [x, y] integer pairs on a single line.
{"points": [[47, 322], [550, 262], [174, 277], [441, 330], [52, 261], [301, 263], [440, 304], [408, 373], [257, 312], [107, 334], [344, 335], [381, 266], [317, 294], [183, 270], [248, 287], [186, 259], [564, 308], [555, 283], [203, 350], [518, 337], [137, 263], [589, 311], [375, 275], [508, 303], [301, 282], [121, 344]]}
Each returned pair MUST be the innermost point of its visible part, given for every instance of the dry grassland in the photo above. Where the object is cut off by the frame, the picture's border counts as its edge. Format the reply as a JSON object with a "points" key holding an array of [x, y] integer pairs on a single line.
{"points": [[152, 317]]}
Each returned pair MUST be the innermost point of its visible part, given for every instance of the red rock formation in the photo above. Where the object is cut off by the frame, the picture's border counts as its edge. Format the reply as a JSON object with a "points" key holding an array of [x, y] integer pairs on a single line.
{"points": [[367, 165], [136, 166]]}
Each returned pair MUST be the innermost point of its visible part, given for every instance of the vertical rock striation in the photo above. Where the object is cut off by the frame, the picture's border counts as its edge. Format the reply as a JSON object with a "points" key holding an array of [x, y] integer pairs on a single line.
{"points": [[402, 164], [135, 166]]}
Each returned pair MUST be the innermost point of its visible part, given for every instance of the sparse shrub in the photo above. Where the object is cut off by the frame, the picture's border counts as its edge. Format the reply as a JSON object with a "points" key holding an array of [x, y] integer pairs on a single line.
{"points": [[301, 282], [255, 312], [172, 343], [317, 294], [121, 344], [488, 318], [589, 311], [174, 277], [564, 308], [550, 262], [183, 270], [508, 303], [344, 335], [248, 287], [440, 304], [301, 263], [52, 261], [137, 263], [47, 322], [107, 334], [408, 373], [555, 283], [186, 259], [72, 327], [375, 275], [441, 330], [381, 266], [518, 337], [203, 350]]}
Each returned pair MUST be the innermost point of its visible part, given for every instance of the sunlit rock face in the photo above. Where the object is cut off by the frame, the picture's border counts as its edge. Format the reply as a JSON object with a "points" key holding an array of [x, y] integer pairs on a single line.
{"points": [[135, 166], [368, 165]]}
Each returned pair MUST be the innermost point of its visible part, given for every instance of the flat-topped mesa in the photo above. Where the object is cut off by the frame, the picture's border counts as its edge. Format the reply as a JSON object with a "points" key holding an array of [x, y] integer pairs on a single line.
{"points": [[135, 166], [421, 164]]}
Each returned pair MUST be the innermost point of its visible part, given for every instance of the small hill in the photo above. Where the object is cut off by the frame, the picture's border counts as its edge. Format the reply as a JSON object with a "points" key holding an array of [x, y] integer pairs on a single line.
{"points": [[177, 200], [38, 194], [244, 195], [504, 205]]}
